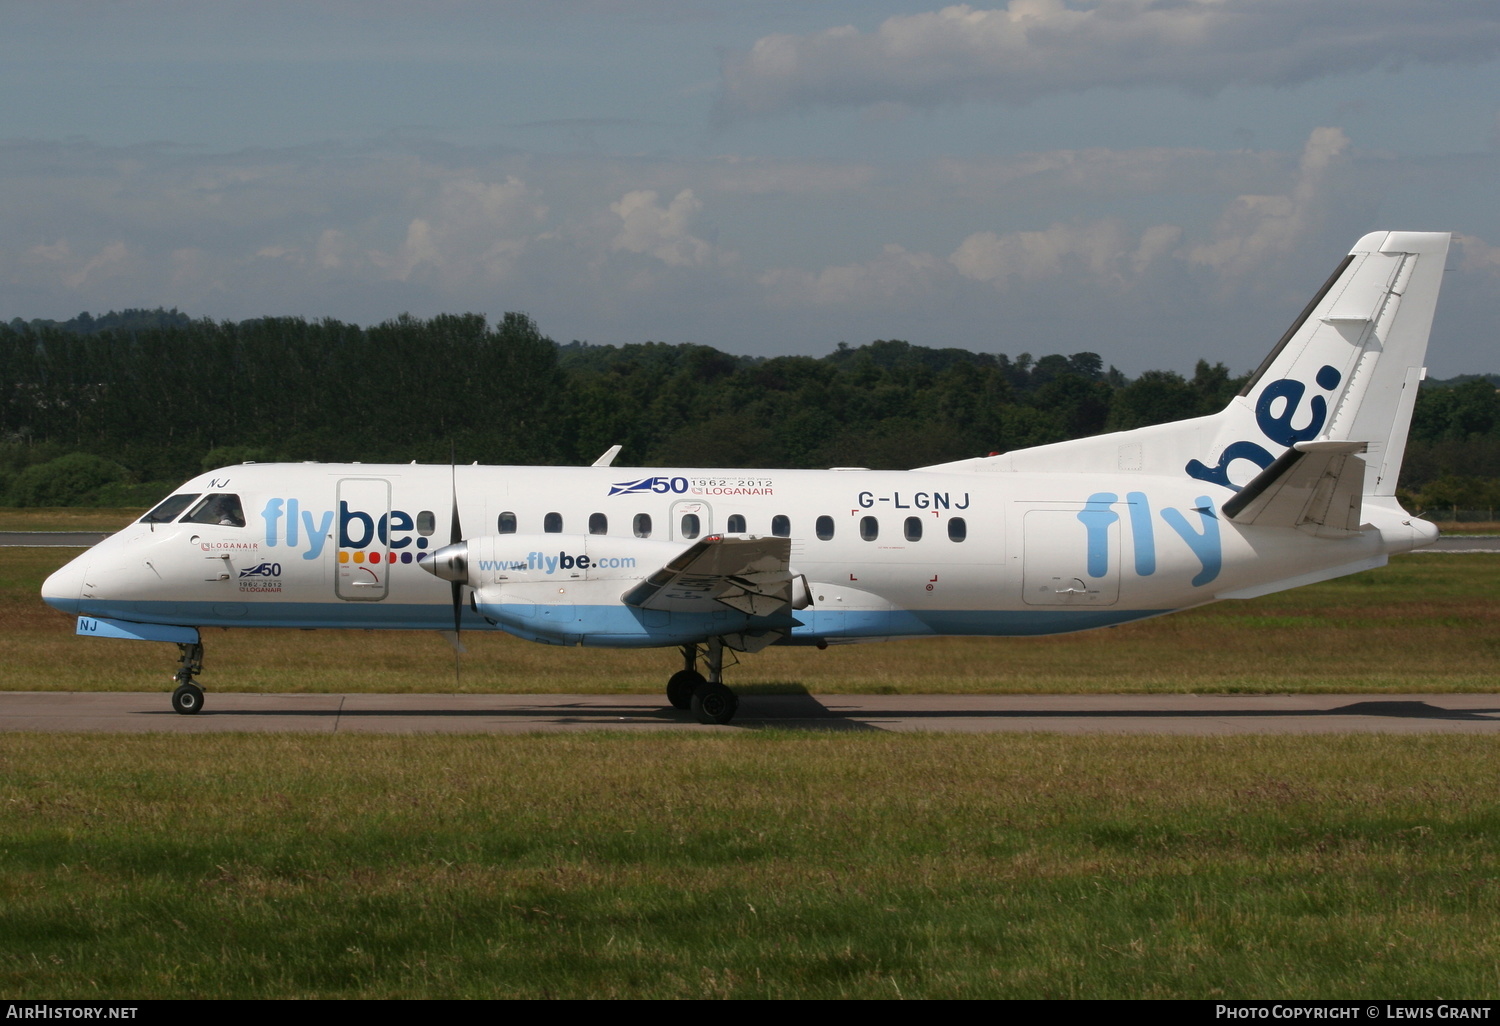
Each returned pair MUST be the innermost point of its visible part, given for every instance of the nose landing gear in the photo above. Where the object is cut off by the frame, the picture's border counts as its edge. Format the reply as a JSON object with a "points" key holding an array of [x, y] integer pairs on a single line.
{"points": [[187, 699]]}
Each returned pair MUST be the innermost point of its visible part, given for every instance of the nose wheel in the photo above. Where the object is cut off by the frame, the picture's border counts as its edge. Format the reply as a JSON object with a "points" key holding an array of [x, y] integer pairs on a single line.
{"points": [[187, 699]]}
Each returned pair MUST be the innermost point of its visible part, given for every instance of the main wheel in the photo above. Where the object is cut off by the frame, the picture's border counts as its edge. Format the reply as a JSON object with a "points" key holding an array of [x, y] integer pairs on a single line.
{"points": [[681, 686], [714, 703], [187, 699]]}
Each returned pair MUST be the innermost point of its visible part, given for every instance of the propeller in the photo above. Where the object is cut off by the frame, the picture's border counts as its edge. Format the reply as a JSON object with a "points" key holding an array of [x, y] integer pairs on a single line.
{"points": [[451, 563], [456, 535]]}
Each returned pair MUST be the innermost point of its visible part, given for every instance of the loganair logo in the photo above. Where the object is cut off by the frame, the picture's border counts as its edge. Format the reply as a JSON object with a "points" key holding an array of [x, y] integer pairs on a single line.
{"points": [[562, 561], [659, 485], [261, 579], [1275, 413], [389, 537]]}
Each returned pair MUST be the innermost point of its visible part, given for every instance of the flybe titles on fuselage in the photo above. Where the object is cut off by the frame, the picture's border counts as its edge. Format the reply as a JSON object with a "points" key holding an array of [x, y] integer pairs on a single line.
{"points": [[287, 523]]}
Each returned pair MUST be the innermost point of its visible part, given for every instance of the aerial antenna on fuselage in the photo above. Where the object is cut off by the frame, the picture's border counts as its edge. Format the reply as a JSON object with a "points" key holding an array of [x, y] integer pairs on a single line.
{"points": [[608, 458]]}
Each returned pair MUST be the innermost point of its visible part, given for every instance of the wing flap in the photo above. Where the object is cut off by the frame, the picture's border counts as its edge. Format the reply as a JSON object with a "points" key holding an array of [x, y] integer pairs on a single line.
{"points": [[748, 574]]}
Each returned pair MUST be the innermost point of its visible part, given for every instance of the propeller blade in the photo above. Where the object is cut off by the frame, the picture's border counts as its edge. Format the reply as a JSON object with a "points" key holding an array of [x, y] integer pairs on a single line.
{"points": [[455, 535]]}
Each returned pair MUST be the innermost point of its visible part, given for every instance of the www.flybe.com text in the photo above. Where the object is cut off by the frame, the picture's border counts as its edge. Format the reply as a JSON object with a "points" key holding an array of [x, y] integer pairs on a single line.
{"points": [[561, 561]]}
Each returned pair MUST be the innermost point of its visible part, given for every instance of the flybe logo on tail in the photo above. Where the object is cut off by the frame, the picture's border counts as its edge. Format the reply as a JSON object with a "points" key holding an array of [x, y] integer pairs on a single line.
{"points": [[1276, 413]]}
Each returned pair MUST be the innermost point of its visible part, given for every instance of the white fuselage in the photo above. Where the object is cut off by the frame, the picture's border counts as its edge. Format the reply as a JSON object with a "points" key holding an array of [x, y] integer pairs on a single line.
{"points": [[881, 554]]}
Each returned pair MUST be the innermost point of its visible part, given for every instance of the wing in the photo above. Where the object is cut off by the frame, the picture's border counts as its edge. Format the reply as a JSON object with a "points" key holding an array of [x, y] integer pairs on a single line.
{"points": [[747, 574]]}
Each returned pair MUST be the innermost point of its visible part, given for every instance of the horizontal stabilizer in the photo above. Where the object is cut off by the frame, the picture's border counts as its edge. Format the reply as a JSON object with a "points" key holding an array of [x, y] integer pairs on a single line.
{"points": [[1316, 483], [746, 574]]}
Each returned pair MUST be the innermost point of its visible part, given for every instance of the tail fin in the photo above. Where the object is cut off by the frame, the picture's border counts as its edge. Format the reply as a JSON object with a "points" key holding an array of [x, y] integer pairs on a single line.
{"points": [[1345, 371]]}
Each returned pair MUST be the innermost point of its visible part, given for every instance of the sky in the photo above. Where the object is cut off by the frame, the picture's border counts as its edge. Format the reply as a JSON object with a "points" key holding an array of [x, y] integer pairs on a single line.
{"points": [[1156, 181]]}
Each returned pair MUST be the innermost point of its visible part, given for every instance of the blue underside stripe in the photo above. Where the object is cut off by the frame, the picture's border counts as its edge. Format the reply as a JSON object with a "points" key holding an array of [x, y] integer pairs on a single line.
{"points": [[619, 626]]}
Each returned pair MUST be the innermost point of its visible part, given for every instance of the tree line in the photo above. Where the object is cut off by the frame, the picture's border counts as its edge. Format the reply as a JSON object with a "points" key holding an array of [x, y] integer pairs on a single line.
{"points": [[116, 410]]}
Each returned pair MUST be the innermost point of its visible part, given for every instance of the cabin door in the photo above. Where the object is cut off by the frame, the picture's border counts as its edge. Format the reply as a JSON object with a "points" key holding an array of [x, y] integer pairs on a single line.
{"points": [[362, 573]]}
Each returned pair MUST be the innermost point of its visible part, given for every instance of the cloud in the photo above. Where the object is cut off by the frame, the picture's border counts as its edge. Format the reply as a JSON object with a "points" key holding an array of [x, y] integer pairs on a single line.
{"points": [[1098, 249], [1127, 252], [1256, 228], [1033, 48], [109, 260], [662, 232], [894, 276], [1102, 172], [1474, 254], [468, 229]]}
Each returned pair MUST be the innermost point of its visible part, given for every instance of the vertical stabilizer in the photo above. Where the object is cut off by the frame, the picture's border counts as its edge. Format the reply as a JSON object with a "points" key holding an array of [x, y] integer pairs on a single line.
{"points": [[1346, 371]]}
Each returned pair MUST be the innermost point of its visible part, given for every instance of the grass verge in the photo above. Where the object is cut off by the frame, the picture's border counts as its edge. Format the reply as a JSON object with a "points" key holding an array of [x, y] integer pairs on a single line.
{"points": [[65, 518], [772, 865]]}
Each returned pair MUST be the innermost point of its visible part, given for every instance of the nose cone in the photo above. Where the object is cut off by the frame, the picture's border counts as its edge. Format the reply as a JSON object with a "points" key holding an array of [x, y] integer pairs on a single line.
{"points": [[64, 589], [451, 563]]}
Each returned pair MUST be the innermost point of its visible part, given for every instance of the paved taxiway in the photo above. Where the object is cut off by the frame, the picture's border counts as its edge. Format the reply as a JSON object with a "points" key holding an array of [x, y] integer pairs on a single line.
{"points": [[137, 712]]}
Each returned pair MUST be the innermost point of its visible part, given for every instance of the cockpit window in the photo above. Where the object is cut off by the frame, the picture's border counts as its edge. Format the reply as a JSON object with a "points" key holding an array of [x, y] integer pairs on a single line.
{"points": [[168, 510], [221, 509]]}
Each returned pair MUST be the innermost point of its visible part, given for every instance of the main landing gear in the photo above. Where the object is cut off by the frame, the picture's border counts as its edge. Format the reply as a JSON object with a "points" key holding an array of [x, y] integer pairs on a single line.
{"points": [[188, 698], [707, 697]]}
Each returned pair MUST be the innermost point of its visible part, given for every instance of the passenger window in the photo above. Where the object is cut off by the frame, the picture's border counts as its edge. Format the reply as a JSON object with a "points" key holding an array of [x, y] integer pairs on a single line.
{"points": [[824, 527], [169, 509], [598, 523], [552, 523], [690, 526], [869, 528], [223, 510], [507, 523], [913, 528], [426, 523], [781, 526], [736, 524], [957, 529], [642, 525]]}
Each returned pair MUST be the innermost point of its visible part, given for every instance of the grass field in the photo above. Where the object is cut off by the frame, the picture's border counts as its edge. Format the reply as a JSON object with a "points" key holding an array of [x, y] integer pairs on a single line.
{"points": [[67, 518], [766, 865], [1423, 623]]}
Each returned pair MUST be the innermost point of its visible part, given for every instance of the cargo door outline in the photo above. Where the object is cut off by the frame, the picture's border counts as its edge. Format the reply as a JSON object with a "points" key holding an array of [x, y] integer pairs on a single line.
{"points": [[362, 567], [1062, 557]]}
